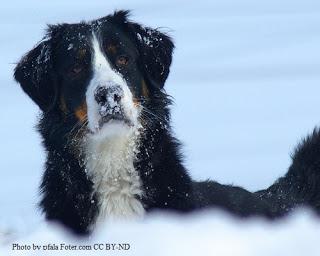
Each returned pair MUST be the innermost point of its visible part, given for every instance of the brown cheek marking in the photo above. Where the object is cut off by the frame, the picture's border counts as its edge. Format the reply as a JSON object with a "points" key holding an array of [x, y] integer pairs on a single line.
{"points": [[135, 102], [81, 112], [145, 90], [63, 105], [112, 48]]}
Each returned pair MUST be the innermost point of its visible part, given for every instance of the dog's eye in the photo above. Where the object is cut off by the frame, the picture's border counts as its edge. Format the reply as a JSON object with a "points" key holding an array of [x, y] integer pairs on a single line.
{"points": [[76, 69], [122, 60]]}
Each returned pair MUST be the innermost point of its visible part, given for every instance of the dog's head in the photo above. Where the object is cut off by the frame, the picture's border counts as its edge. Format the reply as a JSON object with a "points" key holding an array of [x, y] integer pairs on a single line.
{"points": [[97, 73]]}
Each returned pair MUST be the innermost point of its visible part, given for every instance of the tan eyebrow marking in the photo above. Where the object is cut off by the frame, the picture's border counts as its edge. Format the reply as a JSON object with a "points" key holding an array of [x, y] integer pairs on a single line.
{"points": [[112, 48], [81, 53]]}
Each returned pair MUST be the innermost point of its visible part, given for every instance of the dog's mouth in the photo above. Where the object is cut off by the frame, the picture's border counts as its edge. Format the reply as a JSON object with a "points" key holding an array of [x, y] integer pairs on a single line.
{"points": [[112, 113], [114, 117]]}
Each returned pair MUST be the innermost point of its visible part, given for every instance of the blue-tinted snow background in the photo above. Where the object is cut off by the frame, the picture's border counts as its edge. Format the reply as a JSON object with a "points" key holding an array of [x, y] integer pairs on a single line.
{"points": [[246, 83]]}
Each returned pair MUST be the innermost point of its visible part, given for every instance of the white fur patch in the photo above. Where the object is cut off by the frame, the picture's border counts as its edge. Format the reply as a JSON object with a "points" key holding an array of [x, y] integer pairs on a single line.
{"points": [[111, 149], [116, 182], [104, 75]]}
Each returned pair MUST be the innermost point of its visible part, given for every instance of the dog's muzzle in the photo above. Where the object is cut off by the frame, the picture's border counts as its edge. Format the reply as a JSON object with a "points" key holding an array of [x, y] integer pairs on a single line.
{"points": [[109, 100]]}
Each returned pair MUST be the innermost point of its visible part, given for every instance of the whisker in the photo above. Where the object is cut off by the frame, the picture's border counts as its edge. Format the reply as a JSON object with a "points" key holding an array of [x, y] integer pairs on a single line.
{"points": [[146, 121], [148, 111], [79, 126]]}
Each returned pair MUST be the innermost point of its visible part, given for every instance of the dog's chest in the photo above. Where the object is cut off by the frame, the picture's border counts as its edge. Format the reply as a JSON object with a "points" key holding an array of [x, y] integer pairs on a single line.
{"points": [[116, 182]]}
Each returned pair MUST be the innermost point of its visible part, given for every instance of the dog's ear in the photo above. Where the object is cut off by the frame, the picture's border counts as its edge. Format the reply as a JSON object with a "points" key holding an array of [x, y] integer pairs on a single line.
{"points": [[34, 73], [155, 50]]}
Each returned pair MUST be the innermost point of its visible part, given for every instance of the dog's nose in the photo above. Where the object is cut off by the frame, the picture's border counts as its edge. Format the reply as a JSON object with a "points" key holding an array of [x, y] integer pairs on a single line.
{"points": [[110, 95]]}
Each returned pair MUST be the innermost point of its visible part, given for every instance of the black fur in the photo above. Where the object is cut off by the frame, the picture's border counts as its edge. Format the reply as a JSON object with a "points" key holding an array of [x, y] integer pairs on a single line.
{"points": [[67, 192]]}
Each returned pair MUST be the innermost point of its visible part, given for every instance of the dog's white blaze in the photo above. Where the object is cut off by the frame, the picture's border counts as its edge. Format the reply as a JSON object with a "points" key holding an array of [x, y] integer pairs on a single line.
{"points": [[104, 75], [110, 152]]}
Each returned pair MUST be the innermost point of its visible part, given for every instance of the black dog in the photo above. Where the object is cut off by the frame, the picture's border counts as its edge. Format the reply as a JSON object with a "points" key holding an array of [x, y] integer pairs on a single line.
{"points": [[106, 128]]}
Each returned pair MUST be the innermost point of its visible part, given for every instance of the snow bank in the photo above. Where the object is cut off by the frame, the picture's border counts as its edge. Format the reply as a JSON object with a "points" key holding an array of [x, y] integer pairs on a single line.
{"points": [[207, 233]]}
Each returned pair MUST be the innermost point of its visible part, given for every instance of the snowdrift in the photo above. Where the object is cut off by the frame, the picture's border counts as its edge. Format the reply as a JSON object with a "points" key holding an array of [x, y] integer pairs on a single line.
{"points": [[207, 233]]}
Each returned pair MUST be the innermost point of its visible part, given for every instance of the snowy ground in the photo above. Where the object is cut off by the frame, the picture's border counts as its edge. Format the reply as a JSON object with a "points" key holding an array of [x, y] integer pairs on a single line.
{"points": [[245, 79], [208, 234]]}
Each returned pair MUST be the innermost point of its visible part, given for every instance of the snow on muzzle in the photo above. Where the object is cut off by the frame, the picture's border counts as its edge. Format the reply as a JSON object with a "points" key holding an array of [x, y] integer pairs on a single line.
{"points": [[109, 99]]}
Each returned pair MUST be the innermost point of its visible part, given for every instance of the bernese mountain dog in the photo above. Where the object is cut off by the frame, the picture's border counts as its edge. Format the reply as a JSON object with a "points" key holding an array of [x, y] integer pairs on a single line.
{"points": [[105, 126]]}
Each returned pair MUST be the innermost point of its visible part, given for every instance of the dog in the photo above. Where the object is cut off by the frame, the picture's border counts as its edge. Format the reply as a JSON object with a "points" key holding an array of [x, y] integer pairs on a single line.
{"points": [[105, 124]]}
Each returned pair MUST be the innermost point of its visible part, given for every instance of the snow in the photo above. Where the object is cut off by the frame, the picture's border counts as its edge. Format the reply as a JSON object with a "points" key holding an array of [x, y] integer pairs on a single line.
{"points": [[70, 46], [209, 233], [245, 78]]}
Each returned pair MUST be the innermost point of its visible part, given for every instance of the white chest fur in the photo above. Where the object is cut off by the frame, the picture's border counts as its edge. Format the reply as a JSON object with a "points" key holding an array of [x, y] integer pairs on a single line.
{"points": [[116, 182]]}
